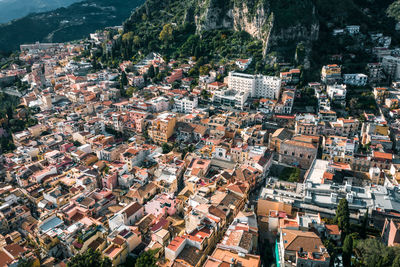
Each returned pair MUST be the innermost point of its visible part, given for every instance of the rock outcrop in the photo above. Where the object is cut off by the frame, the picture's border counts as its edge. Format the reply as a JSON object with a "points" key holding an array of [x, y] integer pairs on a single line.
{"points": [[258, 19]]}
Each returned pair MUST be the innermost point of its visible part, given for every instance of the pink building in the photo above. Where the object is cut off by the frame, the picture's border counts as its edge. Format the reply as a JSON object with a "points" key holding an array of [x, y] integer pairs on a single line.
{"points": [[391, 232], [161, 205], [110, 180], [175, 75], [73, 212]]}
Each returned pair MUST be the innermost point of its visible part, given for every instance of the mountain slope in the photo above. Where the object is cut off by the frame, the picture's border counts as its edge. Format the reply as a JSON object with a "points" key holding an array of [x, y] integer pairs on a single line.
{"points": [[66, 24], [286, 28], [14, 9], [270, 21]]}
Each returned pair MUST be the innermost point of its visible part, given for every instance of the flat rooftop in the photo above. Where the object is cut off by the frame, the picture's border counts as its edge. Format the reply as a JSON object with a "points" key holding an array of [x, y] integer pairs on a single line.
{"points": [[317, 171]]}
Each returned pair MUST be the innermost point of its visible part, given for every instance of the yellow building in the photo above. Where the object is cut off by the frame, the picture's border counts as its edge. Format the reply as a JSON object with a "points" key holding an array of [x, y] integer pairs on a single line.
{"points": [[331, 73], [162, 128], [339, 149], [380, 93]]}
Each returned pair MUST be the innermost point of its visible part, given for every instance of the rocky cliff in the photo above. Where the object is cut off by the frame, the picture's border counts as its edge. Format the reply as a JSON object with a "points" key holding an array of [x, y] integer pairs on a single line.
{"points": [[267, 20]]}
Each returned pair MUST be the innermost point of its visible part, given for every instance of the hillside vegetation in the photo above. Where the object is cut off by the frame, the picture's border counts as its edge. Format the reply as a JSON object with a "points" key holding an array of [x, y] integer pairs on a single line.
{"points": [[66, 24], [14, 9]]}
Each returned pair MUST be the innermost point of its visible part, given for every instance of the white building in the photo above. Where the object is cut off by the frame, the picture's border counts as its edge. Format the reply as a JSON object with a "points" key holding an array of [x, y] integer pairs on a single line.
{"points": [[205, 79], [186, 104], [127, 216], [391, 66], [243, 64], [159, 104], [353, 29], [337, 93], [255, 85], [357, 79], [230, 97]]}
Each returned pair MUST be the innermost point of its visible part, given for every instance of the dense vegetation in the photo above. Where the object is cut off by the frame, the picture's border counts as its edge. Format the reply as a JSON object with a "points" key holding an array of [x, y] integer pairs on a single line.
{"points": [[373, 253], [147, 259], [12, 9], [162, 27], [9, 124], [290, 174], [361, 245], [289, 13], [370, 15], [66, 24], [359, 100], [90, 258]]}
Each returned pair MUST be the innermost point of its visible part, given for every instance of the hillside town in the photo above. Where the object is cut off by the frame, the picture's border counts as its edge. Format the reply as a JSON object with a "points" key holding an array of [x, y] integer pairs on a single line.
{"points": [[222, 168]]}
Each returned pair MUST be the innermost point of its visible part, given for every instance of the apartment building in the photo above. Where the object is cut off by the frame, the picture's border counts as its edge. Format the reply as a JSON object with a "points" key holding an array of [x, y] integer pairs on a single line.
{"points": [[256, 85], [390, 65], [375, 72], [337, 93], [331, 73], [301, 248], [356, 79], [162, 128], [338, 148], [186, 104]]}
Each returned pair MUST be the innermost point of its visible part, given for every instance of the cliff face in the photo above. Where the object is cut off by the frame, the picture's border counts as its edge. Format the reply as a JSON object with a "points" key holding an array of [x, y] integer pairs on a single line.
{"points": [[263, 19], [217, 14]]}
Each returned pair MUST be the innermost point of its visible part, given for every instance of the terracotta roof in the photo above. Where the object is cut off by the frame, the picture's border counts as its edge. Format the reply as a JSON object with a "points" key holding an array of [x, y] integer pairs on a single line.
{"points": [[5, 259], [190, 255], [293, 240], [300, 144], [176, 243], [383, 155], [132, 209], [328, 175], [119, 241], [332, 229], [15, 250]]}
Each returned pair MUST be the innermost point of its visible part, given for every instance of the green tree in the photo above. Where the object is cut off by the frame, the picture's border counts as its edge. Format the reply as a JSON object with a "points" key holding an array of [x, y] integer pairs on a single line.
{"points": [[130, 261], [127, 36], [396, 262], [131, 90], [166, 33], [347, 250], [176, 84], [166, 148], [151, 72], [374, 253], [28, 262], [330, 247], [124, 79], [147, 259], [204, 70], [394, 10], [90, 258], [295, 176], [364, 225], [300, 53], [136, 40], [342, 217]]}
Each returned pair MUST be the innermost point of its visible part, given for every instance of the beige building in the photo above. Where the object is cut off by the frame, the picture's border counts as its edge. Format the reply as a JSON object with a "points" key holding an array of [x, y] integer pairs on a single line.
{"points": [[37, 130], [300, 151], [278, 137], [162, 128]]}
